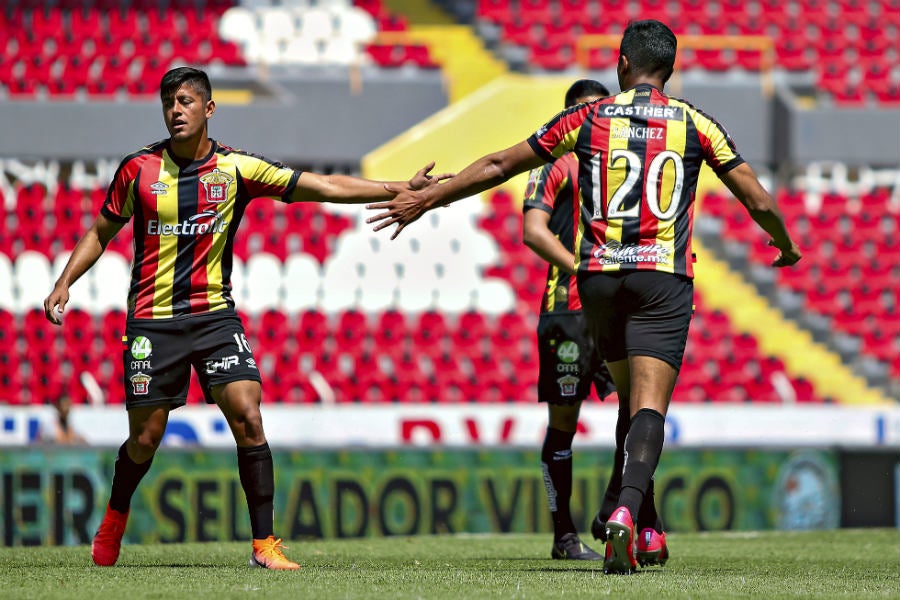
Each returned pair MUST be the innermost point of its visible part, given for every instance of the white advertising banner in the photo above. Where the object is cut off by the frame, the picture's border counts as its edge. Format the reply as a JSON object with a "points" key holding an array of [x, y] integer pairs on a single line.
{"points": [[468, 425]]}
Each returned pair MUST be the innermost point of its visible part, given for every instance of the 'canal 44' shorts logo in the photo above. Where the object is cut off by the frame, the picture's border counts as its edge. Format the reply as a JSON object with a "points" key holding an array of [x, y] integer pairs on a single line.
{"points": [[568, 353], [141, 347]]}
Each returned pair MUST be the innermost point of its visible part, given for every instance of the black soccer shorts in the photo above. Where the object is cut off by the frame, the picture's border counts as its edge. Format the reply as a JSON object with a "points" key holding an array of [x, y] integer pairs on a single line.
{"points": [[568, 362], [158, 355], [638, 313]]}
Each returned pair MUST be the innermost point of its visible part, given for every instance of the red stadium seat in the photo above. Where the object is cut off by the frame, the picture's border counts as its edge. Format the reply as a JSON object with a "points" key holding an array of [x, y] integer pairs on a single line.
{"points": [[352, 328], [551, 57], [495, 11], [313, 329]]}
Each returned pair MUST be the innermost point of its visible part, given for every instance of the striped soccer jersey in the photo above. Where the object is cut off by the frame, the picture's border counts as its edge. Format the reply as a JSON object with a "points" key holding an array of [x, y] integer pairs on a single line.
{"points": [[186, 215], [639, 154], [553, 188]]}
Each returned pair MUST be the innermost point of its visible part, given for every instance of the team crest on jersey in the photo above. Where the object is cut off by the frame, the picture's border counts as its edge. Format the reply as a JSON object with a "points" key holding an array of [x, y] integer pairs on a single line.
{"points": [[562, 295], [216, 184], [568, 385], [141, 384]]}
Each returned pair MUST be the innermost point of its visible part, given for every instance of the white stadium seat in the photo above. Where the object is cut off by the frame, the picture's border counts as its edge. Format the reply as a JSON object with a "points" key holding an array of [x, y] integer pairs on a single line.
{"points": [[238, 282], [302, 283], [301, 51], [238, 25], [33, 280], [494, 297], [276, 23], [111, 276], [263, 279], [7, 293], [355, 24], [341, 51], [316, 24]]}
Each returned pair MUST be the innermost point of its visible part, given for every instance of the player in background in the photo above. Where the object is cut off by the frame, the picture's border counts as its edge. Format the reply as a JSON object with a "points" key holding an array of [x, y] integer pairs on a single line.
{"points": [[569, 363], [569, 366], [186, 195], [639, 156]]}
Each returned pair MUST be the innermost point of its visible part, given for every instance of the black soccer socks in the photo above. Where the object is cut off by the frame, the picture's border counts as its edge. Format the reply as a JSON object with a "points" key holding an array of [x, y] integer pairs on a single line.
{"points": [[258, 480]]}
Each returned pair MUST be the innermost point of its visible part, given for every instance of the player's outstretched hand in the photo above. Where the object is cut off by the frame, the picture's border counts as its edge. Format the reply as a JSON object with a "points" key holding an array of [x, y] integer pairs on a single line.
{"points": [[422, 179], [788, 257], [406, 207], [55, 304]]}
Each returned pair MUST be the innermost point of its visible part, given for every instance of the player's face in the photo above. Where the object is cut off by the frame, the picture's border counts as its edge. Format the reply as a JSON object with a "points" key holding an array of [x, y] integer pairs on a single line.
{"points": [[588, 98], [186, 113]]}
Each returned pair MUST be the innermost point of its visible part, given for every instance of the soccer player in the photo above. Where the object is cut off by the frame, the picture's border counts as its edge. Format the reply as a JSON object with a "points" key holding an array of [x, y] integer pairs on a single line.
{"points": [[568, 363], [186, 196], [639, 157], [568, 360]]}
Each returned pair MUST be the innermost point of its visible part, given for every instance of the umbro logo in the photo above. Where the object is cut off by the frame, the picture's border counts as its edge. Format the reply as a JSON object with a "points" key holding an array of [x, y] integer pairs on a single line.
{"points": [[562, 455], [159, 188]]}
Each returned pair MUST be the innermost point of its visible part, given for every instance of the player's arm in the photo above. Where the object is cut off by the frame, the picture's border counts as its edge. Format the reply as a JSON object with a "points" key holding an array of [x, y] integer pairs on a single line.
{"points": [[486, 172], [346, 189], [743, 183], [86, 252], [537, 235]]}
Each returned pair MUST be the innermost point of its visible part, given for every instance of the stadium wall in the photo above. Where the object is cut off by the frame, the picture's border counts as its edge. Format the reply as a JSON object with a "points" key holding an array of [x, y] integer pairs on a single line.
{"points": [[322, 119], [805, 133], [317, 121], [56, 496], [351, 471]]}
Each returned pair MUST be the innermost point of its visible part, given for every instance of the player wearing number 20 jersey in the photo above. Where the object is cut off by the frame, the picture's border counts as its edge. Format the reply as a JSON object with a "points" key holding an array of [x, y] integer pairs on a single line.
{"points": [[639, 158]]}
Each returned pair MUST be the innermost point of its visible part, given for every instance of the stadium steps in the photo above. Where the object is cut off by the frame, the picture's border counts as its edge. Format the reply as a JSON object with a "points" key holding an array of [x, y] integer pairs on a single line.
{"points": [[466, 64], [502, 113], [417, 12], [726, 290]]}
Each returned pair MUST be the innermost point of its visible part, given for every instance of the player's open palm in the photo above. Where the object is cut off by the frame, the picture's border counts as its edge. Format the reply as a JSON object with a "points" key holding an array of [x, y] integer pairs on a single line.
{"points": [[406, 207]]}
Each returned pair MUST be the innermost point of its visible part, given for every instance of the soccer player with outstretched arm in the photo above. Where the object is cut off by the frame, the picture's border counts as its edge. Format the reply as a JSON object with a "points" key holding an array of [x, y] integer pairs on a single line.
{"points": [[639, 157], [186, 196]]}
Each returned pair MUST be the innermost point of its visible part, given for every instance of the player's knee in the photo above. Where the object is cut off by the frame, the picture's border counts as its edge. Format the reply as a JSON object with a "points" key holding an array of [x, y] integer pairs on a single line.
{"points": [[142, 447], [248, 427], [564, 418]]}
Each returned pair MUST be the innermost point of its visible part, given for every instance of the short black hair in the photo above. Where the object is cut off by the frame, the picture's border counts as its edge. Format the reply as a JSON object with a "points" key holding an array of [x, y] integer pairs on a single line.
{"points": [[650, 47], [582, 88], [175, 78]]}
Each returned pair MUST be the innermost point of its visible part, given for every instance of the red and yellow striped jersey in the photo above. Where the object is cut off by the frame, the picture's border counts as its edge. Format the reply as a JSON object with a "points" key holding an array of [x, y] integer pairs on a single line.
{"points": [[553, 188], [639, 155], [186, 215]]}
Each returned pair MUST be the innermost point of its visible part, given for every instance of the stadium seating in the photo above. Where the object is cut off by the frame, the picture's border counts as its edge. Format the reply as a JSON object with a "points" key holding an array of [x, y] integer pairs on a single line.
{"points": [[439, 315], [67, 51], [849, 278], [849, 45], [444, 314]]}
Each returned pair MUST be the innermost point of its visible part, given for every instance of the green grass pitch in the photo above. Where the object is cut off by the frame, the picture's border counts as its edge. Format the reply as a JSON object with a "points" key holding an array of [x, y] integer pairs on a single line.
{"points": [[861, 563]]}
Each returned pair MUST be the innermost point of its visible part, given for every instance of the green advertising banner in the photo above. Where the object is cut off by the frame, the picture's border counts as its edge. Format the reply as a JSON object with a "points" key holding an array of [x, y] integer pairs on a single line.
{"points": [[57, 496]]}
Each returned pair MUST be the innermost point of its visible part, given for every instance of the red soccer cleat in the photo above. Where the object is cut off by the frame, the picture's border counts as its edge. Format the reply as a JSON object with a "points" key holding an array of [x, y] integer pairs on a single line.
{"points": [[620, 543], [651, 548], [108, 539]]}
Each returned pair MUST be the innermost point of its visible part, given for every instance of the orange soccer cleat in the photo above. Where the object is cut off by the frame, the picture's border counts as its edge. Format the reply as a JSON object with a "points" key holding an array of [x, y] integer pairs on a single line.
{"points": [[268, 554], [108, 539]]}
